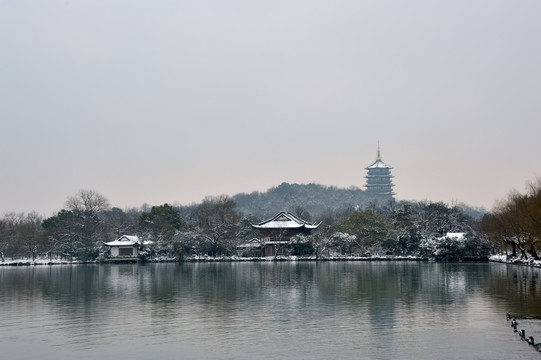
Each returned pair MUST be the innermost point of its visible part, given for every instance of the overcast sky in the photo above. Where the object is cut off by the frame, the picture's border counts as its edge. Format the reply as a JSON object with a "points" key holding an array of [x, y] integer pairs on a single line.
{"points": [[171, 101]]}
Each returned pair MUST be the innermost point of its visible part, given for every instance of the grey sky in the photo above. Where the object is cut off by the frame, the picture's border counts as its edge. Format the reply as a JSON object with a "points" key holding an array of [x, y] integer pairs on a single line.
{"points": [[170, 101]]}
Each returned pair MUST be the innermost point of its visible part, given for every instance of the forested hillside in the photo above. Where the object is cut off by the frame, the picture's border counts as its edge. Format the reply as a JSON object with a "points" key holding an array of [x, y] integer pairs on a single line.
{"points": [[316, 201], [312, 198]]}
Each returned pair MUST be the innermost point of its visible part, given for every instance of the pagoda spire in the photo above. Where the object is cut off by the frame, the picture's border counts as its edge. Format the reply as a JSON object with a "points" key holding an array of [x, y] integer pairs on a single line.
{"points": [[378, 158]]}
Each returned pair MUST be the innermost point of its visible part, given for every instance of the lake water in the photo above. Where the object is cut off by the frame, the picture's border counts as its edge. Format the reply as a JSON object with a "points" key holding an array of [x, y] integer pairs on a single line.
{"points": [[266, 310]]}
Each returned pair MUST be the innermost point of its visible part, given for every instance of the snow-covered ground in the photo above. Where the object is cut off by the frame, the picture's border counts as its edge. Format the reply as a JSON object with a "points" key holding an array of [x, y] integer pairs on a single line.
{"points": [[206, 258], [504, 259], [305, 258], [38, 261], [46, 261]]}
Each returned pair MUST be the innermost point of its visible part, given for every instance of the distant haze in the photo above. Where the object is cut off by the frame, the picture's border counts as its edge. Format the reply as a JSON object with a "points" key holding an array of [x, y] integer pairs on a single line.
{"points": [[171, 101]]}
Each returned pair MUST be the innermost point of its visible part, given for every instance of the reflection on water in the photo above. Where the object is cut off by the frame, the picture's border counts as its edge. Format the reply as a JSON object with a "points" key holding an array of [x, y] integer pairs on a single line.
{"points": [[350, 310]]}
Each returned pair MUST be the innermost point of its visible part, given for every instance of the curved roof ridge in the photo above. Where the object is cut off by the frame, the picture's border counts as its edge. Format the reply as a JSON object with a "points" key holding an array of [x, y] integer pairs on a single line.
{"points": [[378, 164], [291, 222]]}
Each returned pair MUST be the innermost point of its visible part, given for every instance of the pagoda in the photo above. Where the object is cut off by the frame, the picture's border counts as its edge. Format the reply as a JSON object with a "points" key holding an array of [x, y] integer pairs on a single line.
{"points": [[378, 179]]}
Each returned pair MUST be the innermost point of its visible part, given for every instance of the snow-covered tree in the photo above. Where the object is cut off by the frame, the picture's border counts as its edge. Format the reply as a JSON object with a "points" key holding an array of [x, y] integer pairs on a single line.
{"points": [[455, 246], [403, 239], [344, 242], [370, 229], [161, 225], [63, 232], [300, 244]]}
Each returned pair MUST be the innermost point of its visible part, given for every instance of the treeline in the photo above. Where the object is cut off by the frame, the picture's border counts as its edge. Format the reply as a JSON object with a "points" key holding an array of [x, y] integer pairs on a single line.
{"points": [[216, 227], [313, 198], [514, 225]]}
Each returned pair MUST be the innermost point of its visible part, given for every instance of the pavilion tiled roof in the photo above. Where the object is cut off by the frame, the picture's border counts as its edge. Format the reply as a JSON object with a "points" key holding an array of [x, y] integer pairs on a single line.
{"points": [[285, 220]]}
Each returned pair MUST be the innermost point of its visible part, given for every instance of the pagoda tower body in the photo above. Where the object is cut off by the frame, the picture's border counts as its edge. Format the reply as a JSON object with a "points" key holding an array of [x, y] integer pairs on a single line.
{"points": [[378, 179]]}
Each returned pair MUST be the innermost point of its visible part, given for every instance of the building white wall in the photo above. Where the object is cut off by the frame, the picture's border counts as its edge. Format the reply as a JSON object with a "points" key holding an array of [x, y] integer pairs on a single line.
{"points": [[115, 250]]}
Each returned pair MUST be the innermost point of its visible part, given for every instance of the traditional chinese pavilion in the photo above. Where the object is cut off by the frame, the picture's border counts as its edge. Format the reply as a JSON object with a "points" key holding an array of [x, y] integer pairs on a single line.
{"points": [[378, 179], [277, 231], [124, 246]]}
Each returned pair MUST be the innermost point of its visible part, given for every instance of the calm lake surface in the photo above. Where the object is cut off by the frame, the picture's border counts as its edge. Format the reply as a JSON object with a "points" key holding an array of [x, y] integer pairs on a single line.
{"points": [[303, 310]]}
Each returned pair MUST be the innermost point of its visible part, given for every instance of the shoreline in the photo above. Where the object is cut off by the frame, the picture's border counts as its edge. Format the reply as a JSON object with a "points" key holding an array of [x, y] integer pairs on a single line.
{"points": [[502, 258], [208, 259]]}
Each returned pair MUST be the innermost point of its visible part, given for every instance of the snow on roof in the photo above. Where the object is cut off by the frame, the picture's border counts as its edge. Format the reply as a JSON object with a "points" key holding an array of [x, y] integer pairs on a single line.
{"points": [[285, 220], [124, 240], [453, 235], [252, 243], [458, 235], [378, 164]]}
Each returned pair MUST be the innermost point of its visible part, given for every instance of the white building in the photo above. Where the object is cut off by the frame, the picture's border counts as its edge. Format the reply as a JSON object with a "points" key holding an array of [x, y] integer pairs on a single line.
{"points": [[125, 246]]}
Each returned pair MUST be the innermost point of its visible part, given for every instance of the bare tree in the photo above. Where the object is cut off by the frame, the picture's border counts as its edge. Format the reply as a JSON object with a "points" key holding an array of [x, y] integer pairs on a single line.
{"points": [[217, 220], [80, 229], [516, 222], [15, 225], [87, 201], [11, 226], [3, 238], [30, 234]]}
